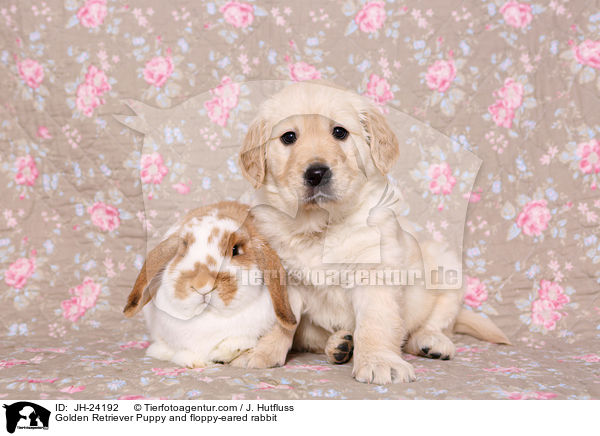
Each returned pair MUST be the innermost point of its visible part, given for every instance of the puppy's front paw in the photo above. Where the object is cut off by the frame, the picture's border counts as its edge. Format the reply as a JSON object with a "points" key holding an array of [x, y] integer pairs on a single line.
{"points": [[340, 347], [382, 368], [430, 343], [256, 360]]}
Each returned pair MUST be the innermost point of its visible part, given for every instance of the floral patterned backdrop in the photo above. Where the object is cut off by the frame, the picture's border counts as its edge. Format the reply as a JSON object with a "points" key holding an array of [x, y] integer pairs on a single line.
{"points": [[516, 83]]}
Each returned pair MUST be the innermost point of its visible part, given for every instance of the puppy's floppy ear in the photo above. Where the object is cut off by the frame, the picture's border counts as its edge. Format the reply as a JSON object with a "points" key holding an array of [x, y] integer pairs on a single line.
{"points": [[382, 140], [157, 259], [275, 276], [253, 154]]}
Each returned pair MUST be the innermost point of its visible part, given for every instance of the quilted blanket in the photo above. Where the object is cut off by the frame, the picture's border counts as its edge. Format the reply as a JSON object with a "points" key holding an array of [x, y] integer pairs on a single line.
{"points": [[84, 186]]}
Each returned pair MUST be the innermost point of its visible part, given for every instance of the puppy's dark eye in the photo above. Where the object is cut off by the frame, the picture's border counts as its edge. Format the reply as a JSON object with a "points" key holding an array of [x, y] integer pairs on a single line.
{"points": [[236, 250], [339, 133], [288, 138]]}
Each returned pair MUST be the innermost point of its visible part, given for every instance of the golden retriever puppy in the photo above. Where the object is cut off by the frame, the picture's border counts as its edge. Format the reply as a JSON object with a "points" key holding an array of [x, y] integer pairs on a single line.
{"points": [[318, 157]]}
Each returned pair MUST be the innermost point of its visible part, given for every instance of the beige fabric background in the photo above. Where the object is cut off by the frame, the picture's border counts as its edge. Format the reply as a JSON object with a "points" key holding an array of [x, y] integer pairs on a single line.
{"points": [[68, 169]]}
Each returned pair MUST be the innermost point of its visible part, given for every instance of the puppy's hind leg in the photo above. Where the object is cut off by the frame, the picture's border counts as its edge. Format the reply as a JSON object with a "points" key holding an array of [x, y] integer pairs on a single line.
{"points": [[310, 337], [429, 340]]}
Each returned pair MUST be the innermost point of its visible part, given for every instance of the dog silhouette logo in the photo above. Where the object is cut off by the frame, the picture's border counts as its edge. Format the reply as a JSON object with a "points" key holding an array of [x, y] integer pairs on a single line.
{"points": [[26, 415]]}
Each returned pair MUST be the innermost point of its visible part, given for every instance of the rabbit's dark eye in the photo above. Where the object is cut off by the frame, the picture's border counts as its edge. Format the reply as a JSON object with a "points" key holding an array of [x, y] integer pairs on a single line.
{"points": [[236, 250], [339, 133], [288, 138]]}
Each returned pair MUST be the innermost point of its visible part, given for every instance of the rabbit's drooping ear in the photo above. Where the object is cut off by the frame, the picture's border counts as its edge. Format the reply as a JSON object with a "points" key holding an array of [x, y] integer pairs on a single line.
{"points": [[382, 140], [253, 154], [155, 262], [274, 276]]}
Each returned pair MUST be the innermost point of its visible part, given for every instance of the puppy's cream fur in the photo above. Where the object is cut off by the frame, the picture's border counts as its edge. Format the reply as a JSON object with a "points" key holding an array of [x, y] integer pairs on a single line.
{"points": [[381, 317]]}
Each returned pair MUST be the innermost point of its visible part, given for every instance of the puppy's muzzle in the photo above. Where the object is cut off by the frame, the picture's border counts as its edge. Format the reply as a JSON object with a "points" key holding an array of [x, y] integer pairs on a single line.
{"points": [[317, 175]]}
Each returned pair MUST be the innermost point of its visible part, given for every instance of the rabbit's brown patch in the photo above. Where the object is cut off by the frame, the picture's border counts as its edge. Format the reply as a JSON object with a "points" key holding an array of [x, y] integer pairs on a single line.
{"points": [[196, 278], [226, 286], [214, 234], [210, 261]]}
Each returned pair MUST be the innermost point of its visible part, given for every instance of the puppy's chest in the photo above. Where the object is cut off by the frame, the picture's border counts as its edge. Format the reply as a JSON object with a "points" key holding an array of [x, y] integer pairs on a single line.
{"points": [[338, 247], [330, 308]]}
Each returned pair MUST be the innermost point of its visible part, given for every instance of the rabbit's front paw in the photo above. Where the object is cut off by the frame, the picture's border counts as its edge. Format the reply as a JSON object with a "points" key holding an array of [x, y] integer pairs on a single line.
{"points": [[188, 359], [159, 350]]}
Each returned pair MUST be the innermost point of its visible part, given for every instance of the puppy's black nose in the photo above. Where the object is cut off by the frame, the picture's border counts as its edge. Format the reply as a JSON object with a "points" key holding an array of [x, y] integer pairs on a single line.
{"points": [[317, 174]]}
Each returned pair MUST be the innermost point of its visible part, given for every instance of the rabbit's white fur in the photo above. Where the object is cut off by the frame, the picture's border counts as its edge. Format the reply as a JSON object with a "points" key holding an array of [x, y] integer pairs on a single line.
{"points": [[195, 317], [211, 336]]}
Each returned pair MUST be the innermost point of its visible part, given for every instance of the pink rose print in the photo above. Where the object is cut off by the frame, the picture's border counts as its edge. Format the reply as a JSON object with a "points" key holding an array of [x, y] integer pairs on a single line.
{"points": [[71, 310], [511, 93], [590, 358], [440, 75], [92, 13], [225, 98], [516, 14], [238, 14], [371, 17], [168, 371], [153, 169], [510, 97], [27, 172], [589, 153], [140, 345], [97, 78], [12, 362], [554, 293], [544, 314], [534, 218], [84, 297], [72, 389], [476, 292], [182, 188], [87, 99], [530, 395], [378, 89], [301, 71], [502, 114], [104, 216], [442, 180], [158, 70], [588, 53], [132, 397], [19, 271], [31, 72], [89, 93], [86, 293], [228, 92], [217, 112], [43, 132], [544, 395]]}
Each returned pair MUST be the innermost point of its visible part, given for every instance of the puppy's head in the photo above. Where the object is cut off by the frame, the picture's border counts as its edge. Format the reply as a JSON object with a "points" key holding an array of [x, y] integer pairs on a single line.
{"points": [[318, 143]]}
